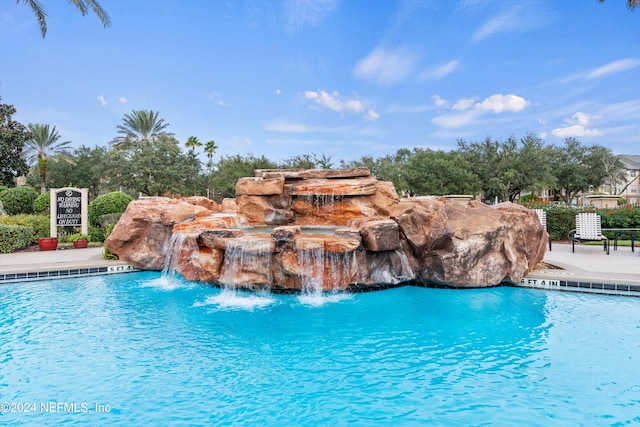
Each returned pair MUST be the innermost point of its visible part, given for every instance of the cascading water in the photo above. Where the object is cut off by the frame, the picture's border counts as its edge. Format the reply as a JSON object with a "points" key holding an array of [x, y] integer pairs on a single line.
{"points": [[318, 267], [171, 254], [247, 263], [312, 265], [178, 243]]}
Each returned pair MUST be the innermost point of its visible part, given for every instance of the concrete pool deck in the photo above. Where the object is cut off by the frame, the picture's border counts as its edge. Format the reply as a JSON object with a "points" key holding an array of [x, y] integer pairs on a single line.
{"points": [[589, 269]]}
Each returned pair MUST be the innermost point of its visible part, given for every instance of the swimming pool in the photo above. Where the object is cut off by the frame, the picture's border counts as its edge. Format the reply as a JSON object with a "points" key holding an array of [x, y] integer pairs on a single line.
{"points": [[141, 349]]}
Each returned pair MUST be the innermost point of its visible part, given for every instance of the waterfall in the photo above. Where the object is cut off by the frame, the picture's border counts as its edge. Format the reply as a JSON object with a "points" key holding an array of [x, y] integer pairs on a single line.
{"points": [[172, 250], [407, 272], [247, 263], [171, 253], [312, 265], [318, 267]]}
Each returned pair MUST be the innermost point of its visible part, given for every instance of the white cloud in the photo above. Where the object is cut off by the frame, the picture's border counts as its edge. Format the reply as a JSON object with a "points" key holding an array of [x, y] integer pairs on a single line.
{"points": [[456, 120], [386, 67], [441, 71], [439, 102], [102, 100], [464, 104], [122, 100], [467, 110], [577, 127], [290, 127], [371, 116], [505, 21], [278, 91], [501, 103], [299, 13], [333, 101], [613, 68], [520, 17]]}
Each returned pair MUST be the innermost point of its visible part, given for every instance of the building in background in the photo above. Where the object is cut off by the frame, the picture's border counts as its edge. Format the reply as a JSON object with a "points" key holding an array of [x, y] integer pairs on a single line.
{"points": [[629, 187]]}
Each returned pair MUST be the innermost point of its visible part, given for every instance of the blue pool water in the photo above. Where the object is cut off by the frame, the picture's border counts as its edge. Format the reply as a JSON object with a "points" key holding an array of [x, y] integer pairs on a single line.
{"points": [[138, 349]]}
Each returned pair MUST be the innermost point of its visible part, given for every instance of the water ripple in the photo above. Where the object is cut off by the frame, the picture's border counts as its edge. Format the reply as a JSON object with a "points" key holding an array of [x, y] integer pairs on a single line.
{"points": [[187, 354]]}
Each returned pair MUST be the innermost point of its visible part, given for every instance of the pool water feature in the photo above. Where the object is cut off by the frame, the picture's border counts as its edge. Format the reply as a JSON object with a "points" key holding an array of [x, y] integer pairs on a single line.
{"points": [[187, 354]]}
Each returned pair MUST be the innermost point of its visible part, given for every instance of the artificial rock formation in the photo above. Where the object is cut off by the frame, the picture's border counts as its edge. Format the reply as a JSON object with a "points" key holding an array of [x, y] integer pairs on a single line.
{"points": [[291, 230]]}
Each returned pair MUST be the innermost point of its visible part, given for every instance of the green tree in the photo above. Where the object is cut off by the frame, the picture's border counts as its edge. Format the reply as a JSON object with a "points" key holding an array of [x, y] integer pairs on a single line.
{"points": [[210, 148], [87, 169], [304, 161], [140, 126], [160, 167], [307, 161], [82, 5], [431, 172], [388, 168], [579, 168], [230, 169], [507, 168], [13, 135], [42, 146], [192, 143]]}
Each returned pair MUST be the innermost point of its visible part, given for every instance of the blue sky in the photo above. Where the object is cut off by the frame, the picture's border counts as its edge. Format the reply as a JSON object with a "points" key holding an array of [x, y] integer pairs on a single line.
{"points": [[341, 78]]}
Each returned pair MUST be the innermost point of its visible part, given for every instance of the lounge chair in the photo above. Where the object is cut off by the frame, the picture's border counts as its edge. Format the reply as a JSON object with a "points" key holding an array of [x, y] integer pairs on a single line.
{"points": [[588, 228], [542, 216]]}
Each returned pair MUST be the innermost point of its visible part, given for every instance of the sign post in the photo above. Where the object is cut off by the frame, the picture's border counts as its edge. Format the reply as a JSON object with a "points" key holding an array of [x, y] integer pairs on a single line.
{"points": [[69, 209]]}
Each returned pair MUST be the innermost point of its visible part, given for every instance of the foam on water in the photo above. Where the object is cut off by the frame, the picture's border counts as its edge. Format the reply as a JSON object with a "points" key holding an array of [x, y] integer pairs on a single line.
{"points": [[232, 300], [167, 283], [318, 300]]}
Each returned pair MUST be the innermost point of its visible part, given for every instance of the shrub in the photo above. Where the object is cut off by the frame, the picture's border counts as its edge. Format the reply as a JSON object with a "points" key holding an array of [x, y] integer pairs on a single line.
{"points": [[106, 253], [14, 237], [39, 224], [110, 203], [42, 203], [96, 234], [18, 200], [77, 236]]}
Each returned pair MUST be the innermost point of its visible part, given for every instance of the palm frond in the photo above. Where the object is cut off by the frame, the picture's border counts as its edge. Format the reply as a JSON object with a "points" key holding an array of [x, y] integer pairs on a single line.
{"points": [[38, 10]]}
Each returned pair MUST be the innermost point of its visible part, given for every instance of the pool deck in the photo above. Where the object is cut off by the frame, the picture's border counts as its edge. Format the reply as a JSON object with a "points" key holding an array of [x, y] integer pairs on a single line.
{"points": [[589, 269]]}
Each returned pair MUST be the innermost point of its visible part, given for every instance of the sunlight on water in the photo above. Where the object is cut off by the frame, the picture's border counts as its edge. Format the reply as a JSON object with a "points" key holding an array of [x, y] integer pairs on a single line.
{"points": [[232, 300]]}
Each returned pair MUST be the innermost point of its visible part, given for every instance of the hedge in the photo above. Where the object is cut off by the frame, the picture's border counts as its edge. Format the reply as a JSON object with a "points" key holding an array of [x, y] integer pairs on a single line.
{"points": [[562, 219], [42, 203], [110, 203], [18, 200], [14, 237], [39, 224]]}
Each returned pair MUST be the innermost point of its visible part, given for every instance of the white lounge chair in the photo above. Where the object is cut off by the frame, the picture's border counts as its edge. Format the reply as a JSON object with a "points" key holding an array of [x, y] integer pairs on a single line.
{"points": [[542, 216], [588, 228]]}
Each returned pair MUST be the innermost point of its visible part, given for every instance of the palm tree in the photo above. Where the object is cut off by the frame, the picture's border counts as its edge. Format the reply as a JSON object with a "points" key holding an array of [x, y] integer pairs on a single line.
{"points": [[631, 4], [42, 146], [140, 126], [193, 142], [82, 5], [210, 148]]}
